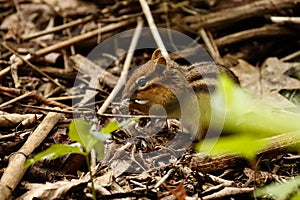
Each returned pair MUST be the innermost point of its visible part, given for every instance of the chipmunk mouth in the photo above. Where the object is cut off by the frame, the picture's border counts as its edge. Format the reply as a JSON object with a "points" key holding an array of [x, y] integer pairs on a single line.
{"points": [[141, 101]]}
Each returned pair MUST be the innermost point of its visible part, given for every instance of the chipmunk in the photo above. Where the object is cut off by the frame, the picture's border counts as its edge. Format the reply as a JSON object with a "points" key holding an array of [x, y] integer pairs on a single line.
{"points": [[183, 91]]}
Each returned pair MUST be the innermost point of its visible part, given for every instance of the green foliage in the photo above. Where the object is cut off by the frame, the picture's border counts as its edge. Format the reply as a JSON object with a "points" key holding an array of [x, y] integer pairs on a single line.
{"points": [[296, 197], [247, 119], [244, 144], [79, 131], [113, 126], [281, 191], [54, 152]]}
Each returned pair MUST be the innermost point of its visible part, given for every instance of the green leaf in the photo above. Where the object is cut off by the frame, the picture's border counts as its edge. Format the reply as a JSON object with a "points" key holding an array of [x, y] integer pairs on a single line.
{"points": [[99, 148], [296, 196], [99, 145], [247, 119], [103, 135], [233, 144], [242, 113], [77, 128], [114, 125], [110, 127], [53, 152], [280, 191], [79, 131]]}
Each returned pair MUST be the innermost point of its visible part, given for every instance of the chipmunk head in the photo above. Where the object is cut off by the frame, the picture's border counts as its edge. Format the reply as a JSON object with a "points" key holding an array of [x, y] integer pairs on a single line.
{"points": [[154, 83]]}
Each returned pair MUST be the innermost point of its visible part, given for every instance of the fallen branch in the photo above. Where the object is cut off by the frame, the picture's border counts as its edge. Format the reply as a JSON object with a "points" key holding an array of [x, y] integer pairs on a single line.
{"points": [[15, 169], [216, 163], [230, 15], [265, 31]]}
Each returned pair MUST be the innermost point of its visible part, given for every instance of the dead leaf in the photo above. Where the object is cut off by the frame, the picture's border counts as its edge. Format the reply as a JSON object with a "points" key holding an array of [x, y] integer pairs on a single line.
{"points": [[49, 191], [274, 79], [266, 82], [105, 179], [249, 76], [30, 18], [12, 120]]}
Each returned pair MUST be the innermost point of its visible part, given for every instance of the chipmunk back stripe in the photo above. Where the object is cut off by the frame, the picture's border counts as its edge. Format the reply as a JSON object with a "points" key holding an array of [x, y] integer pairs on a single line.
{"points": [[203, 85]]}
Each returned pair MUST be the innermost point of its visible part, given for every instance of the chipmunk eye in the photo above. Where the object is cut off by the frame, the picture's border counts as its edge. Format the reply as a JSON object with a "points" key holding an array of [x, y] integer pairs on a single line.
{"points": [[141, 82]]}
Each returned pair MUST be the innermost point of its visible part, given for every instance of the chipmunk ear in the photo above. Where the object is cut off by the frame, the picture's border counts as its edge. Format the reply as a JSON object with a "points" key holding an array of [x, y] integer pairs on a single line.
{"points": [[161, 61], [161, 66], [156, 54]]}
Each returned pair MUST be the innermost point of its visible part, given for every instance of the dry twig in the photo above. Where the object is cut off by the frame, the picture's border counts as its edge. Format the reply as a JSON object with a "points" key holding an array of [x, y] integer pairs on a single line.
{"points": [[211, 46], [57, 28], [15, 169], [228, 16], [265, 31], [153, 28], [76, 39], [124, 73]]}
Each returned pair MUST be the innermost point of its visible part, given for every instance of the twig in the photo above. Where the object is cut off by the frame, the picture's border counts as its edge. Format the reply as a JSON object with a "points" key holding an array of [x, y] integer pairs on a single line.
{"points": [[26, 60], [153, 28], [164, 178], [215, 47], [16, 99], [82, 37], [69, 34], [291, 56], [228, 191], [119, 18], [15, 169], [211, 46], [124, 73], [4, 71], [57, 110], [11, 136], [65, 98], [42, 99], [13, 91], [224, 182], [133, 116], [119, 151], [132, 157], [274, 144], [57, 28], [255, 33], [281, 141], [285, 20], [230, 15]]}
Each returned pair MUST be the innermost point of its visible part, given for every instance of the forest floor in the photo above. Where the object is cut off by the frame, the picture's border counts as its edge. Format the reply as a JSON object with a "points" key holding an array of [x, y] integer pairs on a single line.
{"points": [[61, 60]]}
